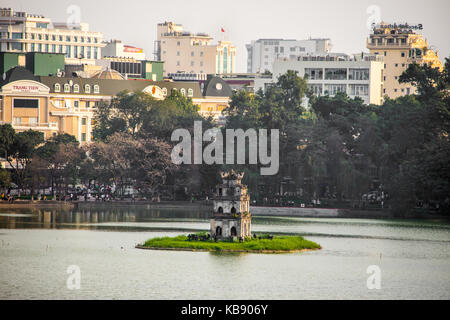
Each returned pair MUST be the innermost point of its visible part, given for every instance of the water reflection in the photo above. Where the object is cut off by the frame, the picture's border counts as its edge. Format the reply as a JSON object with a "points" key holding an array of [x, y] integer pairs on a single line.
{"points": [[93, 218]]}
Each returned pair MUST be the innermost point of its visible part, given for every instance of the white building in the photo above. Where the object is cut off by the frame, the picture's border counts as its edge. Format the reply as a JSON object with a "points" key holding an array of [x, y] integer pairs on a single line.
{"points": [[116, 48], [22, 32], [357, 76], [262, 53]]}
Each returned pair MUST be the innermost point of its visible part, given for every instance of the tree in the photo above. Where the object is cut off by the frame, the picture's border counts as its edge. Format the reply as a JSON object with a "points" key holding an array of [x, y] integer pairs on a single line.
{"points": [[123, 160], [20, 151]]}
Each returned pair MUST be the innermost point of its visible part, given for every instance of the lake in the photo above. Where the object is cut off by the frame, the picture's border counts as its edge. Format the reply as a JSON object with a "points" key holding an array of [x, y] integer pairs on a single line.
{"points": [[38, 246]]}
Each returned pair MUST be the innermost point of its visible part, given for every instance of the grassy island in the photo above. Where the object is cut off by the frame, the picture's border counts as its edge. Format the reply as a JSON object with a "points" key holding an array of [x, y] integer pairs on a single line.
{"points": [[264, 244]]}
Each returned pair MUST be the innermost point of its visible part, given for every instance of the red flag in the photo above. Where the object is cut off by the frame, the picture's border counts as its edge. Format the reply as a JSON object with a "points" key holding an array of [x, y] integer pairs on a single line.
{"points": [[221, 29]]}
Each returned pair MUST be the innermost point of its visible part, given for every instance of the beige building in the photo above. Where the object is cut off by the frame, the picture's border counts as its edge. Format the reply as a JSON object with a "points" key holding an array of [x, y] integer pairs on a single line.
{"points": [[22, 32], [184, 51], [54, 105], [400, 45]]}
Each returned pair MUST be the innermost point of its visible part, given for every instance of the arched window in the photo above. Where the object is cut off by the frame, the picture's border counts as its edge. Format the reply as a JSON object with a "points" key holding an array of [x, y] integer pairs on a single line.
{"points": [[233, 232], [174, 90], [57, 87], [66, 87], [220, 210], [164, 91], [96, 88], [190, 92], [87, 88], [218, 231], [233, 210], [76, 88], [183, 92]]}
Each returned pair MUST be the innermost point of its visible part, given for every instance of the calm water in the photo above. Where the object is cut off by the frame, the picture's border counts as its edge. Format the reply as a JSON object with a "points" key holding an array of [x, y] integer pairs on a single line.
{"points": [[37, 246]]}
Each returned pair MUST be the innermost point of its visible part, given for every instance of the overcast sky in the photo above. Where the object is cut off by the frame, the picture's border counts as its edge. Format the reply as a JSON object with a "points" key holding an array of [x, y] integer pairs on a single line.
{"points": [[343, 21]]}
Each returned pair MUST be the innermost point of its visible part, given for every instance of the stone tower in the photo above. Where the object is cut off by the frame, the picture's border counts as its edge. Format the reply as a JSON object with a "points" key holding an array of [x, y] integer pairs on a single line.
{"points": [[231, 217]]}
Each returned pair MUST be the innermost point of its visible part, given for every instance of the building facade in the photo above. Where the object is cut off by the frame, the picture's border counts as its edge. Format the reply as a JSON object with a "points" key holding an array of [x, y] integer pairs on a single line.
{"points": [[357, 76], [262, 53], [231, 217], [21, 32], [67, 104], [400, 45], [186, 52], [116, 48]]}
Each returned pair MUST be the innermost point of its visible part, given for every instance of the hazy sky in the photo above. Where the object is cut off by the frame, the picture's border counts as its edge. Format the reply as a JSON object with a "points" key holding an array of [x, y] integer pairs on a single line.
{"points": [[343, 21]]}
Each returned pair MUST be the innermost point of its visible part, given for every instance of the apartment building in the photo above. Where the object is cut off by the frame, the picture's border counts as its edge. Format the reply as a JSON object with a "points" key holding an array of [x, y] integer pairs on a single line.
{"points": [[400, 45], [262, 53], [187, 52], [21, 32], [357, 76]]}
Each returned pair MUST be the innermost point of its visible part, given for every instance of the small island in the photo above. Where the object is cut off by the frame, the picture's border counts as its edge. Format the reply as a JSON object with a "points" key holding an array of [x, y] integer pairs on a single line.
{"points": [[258, 244], [230, 227]]}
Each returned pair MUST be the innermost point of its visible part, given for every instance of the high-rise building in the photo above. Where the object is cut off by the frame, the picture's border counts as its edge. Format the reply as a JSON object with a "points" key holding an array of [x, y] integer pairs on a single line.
{"points": [[184, 51], [400, 45], [21, 32], [262, 53]]}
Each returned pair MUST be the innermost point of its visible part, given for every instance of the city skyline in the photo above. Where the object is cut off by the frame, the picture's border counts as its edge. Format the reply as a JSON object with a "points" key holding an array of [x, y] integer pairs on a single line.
{"points": [[349, 36]]}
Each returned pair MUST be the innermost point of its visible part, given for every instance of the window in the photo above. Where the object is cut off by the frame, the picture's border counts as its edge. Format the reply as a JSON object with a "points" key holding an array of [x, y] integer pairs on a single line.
{"points": [[16, 46], [201, 53], [332, 89], [76, 104], [67, 51], [183, 92], [192, 63], [96, 89], [66, 87], [57, 87], [26, 103], [190, 92], [292, 49], [76, 88], [178, 53], [17, 120], [396, 64], [83, 121], [335, 74], [315, 89], [178, 63], [313, 74], [68, 38], [178, 43], [83, 137], [33, 121], [395, 90], [359, 89], [87, 88], [192, 53], [201, 63], [403, 54]]}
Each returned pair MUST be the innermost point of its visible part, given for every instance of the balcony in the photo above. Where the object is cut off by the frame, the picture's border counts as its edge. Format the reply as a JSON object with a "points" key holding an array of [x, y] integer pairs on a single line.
{"points": [[33, 126]]}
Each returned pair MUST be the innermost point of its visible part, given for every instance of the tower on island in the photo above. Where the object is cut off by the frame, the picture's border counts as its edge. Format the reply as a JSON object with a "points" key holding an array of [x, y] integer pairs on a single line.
{"points": [[231, 217]]}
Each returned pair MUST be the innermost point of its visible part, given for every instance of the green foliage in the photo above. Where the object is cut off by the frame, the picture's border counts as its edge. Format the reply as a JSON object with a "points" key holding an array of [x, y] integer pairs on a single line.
{"points": [[277, 244]]}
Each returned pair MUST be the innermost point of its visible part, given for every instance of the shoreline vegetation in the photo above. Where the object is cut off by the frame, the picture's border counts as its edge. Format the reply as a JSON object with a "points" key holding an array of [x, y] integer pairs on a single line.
{"points": [[262, 244]]}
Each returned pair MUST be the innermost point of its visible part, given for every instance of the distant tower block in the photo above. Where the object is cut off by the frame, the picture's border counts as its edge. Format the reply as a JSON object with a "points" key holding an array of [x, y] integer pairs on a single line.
{"points": [[231, 217]]}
